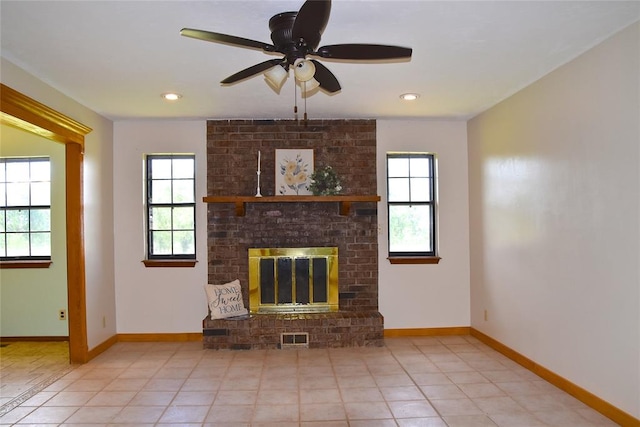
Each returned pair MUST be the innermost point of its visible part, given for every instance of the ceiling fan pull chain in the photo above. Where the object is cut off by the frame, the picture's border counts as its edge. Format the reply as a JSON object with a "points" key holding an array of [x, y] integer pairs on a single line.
{"points": [[295, 100], [305, 102]]}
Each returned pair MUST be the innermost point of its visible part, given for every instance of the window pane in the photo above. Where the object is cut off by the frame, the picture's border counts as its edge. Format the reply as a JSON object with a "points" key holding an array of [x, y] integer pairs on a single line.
{"points": [[40, 220], [397, 167], [410, 228], [18, 171], [183, 242], [160, 219], [161, 169], [420, 190], [183, 218], [41, 244], [3, 248], [183, 191], [17, 220], [183, 168], [398, 189], [41, 170], [161, 191], [18, 244], [161, 242], [18, 194], [40, 194], [171, 194], [25, 231], [420, 166], [3, 176]]}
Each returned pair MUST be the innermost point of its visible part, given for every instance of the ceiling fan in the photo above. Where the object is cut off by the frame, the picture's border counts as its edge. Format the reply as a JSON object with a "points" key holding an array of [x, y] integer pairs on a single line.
{"points": [[297, 35]]}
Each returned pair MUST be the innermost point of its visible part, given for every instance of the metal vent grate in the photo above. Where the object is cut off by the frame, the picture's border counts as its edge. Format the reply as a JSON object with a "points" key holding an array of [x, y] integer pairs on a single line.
{"points": [[294, 340]]}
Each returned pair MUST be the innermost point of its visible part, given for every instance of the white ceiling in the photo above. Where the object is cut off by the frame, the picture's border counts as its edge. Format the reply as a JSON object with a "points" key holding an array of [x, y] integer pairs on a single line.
{"points": [[117, 57]]}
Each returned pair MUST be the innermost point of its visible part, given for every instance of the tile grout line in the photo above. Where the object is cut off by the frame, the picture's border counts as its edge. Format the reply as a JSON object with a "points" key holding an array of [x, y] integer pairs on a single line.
{"points": [[37, 388], [415, 383]]}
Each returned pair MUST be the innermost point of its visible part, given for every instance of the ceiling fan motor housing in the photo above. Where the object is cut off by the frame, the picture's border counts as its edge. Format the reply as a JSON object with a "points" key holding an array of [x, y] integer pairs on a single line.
{"points": [[281, 26]]}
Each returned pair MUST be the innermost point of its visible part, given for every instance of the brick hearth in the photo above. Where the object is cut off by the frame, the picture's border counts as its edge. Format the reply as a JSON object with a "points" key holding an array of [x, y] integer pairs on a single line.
{"points": [[262, 331], [349, 146]]}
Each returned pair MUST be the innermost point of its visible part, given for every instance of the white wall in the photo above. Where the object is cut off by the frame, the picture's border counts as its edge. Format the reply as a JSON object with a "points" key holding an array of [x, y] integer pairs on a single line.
{"points": [[31, 298], [98, 213], [171, 300], [428, 296], [156, 300], [554, 185]]}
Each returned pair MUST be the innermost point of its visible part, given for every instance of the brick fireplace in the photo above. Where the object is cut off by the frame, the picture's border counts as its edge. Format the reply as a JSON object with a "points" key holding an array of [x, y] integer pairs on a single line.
{"points": [[349, 146]]}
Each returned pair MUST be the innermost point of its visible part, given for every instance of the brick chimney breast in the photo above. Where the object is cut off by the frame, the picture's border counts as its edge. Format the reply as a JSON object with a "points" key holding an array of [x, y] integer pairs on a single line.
{"points": [[349, 146]]}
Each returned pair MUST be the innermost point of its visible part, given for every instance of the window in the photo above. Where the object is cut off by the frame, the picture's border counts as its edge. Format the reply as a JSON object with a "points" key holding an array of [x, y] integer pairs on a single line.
{"points": [[411, 196], [25, 209], [171, 207]]}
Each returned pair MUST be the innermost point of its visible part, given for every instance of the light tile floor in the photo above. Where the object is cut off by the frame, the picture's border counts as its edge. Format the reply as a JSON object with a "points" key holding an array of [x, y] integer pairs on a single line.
{"points": [[423, 381], [25, 365]]}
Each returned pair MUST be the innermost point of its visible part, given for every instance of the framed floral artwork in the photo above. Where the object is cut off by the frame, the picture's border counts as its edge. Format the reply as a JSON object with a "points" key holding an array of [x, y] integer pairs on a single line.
{"points": [[293, 170]]}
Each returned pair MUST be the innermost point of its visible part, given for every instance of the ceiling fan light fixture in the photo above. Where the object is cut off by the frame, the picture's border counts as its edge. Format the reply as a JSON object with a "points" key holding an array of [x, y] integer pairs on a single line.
{"points": [[409, 96], [304, 70], [309, 85], [171, 96], [275, 76]]}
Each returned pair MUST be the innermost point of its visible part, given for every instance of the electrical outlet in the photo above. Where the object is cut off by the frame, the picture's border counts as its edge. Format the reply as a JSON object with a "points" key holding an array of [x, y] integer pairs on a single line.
{"points": [[62, 314], [104, 321], [486, 316]]}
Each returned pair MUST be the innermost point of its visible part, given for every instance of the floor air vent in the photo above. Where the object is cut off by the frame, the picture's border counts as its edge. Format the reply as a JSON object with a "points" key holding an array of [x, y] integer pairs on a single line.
{"points": [[294, 340]]}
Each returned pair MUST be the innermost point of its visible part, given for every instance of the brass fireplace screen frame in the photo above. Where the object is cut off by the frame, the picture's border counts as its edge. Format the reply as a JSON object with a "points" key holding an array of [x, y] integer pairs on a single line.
{"points": [[286, 280]]}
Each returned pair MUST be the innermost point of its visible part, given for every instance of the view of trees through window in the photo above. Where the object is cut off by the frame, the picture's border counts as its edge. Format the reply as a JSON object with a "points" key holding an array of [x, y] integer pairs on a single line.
{"points": [[171, 206], [411, 204], [25, 208]]}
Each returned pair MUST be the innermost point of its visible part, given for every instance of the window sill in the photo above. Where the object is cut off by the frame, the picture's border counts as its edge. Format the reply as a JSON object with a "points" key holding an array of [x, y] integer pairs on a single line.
{"points": [[25, 264], [169, 263], [415, 260]]}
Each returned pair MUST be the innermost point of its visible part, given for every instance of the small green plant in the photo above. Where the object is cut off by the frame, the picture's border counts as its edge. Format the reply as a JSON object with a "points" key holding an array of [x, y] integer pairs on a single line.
{"points": [[325, 182]]}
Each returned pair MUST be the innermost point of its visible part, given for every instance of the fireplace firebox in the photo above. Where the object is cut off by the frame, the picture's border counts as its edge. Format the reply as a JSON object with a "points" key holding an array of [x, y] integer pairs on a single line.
{"points": [[293, 280]]}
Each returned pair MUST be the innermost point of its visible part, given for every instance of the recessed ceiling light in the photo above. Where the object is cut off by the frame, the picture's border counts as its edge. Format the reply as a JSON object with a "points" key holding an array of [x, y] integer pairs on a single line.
{"points": [[409, 96], [171, 96]]}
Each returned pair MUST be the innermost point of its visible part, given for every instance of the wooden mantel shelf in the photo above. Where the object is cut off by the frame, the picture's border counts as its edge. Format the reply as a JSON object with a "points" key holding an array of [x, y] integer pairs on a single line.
{"points": [[241, 201]]}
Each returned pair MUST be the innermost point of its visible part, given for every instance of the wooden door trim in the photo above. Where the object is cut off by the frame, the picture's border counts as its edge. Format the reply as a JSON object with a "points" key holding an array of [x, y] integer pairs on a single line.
{"points": [[25, 113]]}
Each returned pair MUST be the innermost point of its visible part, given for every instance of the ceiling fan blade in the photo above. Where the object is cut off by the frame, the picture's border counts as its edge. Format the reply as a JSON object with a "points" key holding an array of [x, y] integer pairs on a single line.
{"points": [[251, 71], [227, 39], [363, 51], [326, 78], [311, 21]]}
